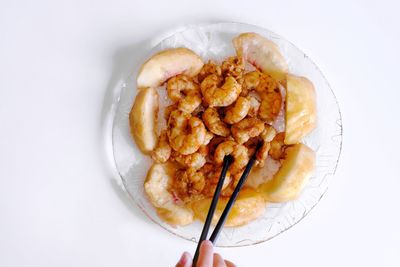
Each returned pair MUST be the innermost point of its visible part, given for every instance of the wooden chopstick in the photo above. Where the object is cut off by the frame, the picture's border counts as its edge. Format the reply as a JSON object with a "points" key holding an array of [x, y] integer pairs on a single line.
{"points": [[233, 197], [227, 161]]}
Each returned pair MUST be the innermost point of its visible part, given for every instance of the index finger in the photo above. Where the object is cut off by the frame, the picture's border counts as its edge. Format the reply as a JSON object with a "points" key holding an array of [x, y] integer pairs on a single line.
{"points": [[206, 254], [185, 260]]}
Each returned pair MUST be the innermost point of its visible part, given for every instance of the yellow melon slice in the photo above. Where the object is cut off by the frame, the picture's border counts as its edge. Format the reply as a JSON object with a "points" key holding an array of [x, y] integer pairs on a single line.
{"points": [[262, 53], [297, 167], [155, 186], [143, 118], [248, 206], [166, 64], [301, 109]]}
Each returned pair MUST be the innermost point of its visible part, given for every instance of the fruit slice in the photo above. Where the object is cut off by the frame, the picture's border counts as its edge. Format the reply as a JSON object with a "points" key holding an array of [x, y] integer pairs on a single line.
{"points": [[262, 53], [155, 186], [142, 119], [296, 169], [301, 109], [248, 206], [260, 175], [166, 64]]}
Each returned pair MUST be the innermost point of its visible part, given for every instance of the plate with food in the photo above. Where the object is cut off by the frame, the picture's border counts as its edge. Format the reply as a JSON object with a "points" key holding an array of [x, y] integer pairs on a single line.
{"points": [[212, 90]]}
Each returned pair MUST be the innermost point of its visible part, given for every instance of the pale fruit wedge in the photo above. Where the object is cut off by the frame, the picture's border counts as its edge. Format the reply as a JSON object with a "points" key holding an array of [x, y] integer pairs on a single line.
{"points": [[248, 206], [301, 109], [260, 175], [142, 119], [155, 186], [166, 64], [262, 53], [297, 167]]}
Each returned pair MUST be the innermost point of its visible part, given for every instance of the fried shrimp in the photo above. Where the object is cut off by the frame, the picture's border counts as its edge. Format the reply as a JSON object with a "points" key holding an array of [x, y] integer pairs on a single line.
{"points": [[266, 136], [208, 69], [214, 123], [209, 82], [162, 152], [262, 154], [184, 91], [212, 175], [169, 109], [233, 66], [207, 169], [223, 96], [238, 152], [204, 149], [236, 178], [266, 84], [251, 145], [268, 89], [215, 142], [270, 107], [198, 111], [277, 146], [268, 133], [189, 182], [190, 102], [216, 174], [254, 106], [213, 179], [239, 110], [271, 98], [246, 129], [209, 136], [177, 85], [250, 82], [195, 160], [224, 149], [185, 133]]}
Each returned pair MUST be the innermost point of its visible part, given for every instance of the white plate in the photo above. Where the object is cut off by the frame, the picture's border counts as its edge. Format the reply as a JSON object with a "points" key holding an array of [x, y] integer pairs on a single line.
{"points": [[214, 41]]}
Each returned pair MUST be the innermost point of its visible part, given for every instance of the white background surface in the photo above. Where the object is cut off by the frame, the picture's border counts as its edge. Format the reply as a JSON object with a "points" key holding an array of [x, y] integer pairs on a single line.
{"points": [[59, 203]]}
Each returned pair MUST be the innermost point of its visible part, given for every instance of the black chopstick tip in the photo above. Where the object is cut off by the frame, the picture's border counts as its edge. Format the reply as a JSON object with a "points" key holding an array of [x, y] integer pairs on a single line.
{"points": [[229, 158], [259, 145]]}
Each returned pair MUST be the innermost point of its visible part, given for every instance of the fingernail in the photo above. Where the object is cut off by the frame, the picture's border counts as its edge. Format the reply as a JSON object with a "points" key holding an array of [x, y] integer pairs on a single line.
{"points": [[184, 258], [207, 243]]}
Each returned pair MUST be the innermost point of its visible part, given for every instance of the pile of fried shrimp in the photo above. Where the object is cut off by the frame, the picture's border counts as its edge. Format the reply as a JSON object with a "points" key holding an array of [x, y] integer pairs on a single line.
{"points": [[224, 110]]}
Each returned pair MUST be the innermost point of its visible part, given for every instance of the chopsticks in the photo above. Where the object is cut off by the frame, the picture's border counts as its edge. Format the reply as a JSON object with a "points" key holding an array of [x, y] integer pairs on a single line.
{"points": [[228, 207], [227, 161], [231, 201]]}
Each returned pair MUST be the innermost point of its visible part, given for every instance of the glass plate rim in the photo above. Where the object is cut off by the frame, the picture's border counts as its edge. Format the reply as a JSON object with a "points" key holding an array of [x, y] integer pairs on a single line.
{"points": [[179, 29]]}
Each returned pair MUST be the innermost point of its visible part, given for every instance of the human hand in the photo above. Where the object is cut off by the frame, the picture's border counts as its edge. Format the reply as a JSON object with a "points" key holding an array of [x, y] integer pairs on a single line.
{"points": [[207, 258]]}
